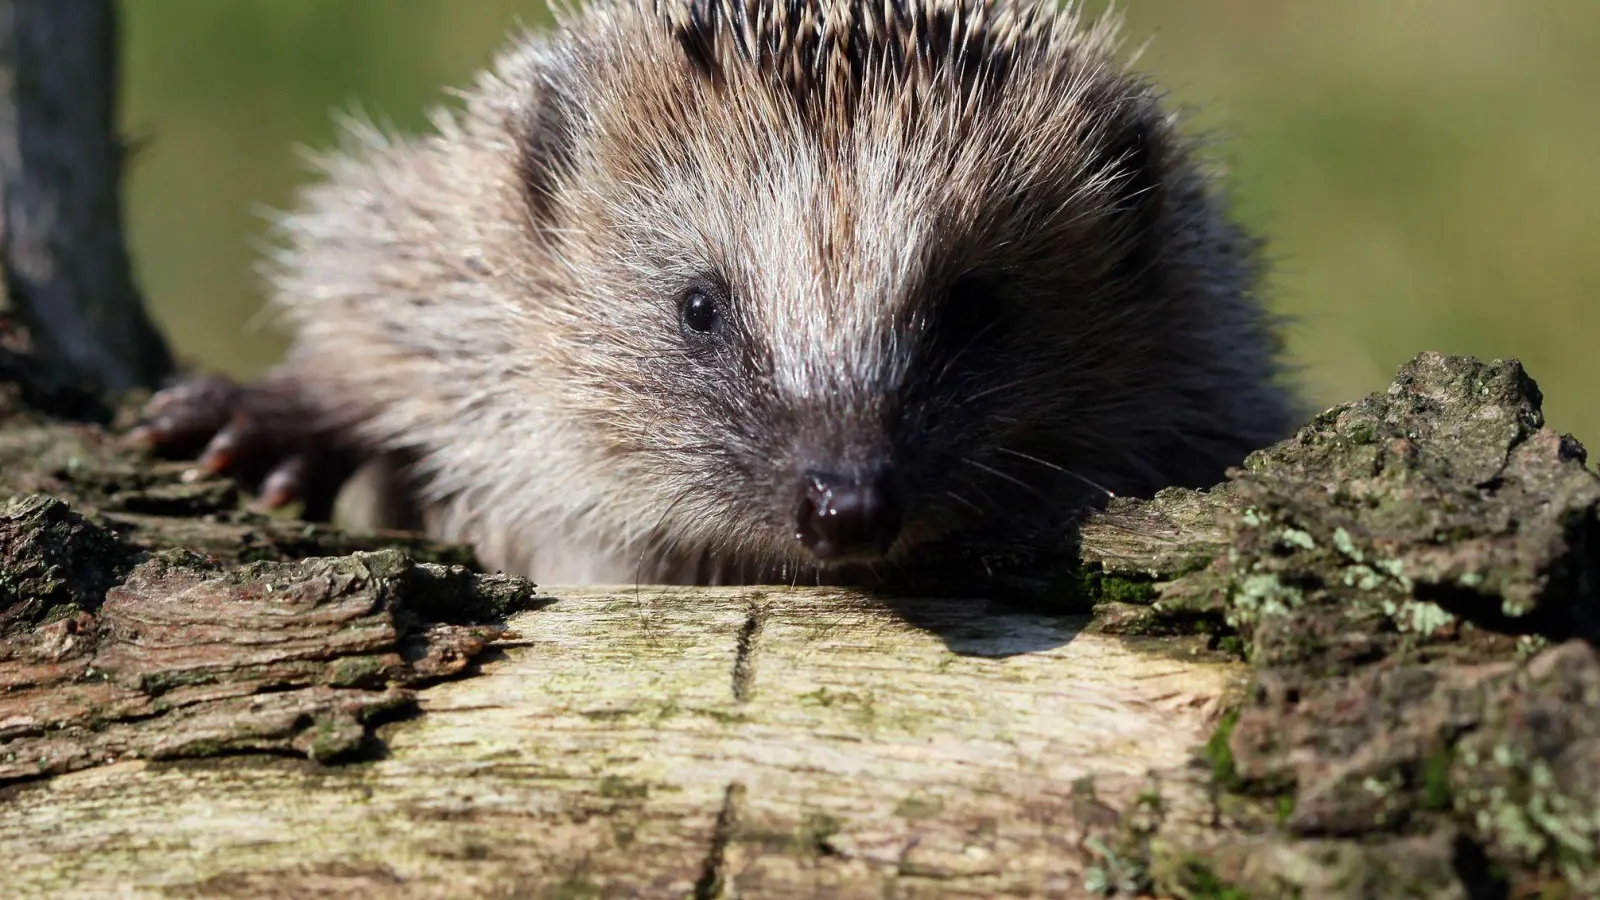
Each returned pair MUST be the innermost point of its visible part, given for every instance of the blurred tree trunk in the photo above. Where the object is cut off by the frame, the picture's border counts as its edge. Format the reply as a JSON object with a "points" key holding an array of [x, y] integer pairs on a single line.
{"points": [[68, 279]]}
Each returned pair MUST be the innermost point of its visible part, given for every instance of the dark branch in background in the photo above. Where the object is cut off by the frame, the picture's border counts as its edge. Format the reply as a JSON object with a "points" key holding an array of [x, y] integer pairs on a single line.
{"points": [[68, 280]]}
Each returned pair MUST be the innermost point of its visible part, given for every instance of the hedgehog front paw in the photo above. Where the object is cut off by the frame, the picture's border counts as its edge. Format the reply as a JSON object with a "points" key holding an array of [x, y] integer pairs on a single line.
{"points": [[262, 434]]}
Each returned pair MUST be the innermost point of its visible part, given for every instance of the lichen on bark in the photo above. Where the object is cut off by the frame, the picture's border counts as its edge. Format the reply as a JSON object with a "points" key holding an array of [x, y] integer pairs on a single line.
{"points": [[1413, 578]]}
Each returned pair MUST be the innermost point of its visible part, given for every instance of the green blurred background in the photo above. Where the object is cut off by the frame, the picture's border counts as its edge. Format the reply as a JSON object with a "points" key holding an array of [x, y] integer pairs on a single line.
{"points": [[1425, 169]]}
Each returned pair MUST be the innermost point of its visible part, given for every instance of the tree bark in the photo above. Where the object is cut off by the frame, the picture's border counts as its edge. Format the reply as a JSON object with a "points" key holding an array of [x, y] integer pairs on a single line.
{"points": [[67, 272]]}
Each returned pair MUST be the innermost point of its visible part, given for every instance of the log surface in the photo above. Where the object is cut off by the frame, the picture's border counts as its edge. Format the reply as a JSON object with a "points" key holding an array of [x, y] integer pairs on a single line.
{"points": [[657, 742]]}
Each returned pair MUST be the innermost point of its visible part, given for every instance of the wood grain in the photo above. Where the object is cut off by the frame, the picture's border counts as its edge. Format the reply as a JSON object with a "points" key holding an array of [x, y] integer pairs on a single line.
{"points": [[669, 743]]}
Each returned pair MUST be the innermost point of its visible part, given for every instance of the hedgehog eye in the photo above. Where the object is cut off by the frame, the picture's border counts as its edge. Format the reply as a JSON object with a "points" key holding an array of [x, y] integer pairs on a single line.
{"points": [[699, 312]]}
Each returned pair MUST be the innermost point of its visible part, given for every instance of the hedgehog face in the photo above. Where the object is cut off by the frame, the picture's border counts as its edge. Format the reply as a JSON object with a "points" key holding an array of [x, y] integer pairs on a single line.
{"points": [[843, 301]]}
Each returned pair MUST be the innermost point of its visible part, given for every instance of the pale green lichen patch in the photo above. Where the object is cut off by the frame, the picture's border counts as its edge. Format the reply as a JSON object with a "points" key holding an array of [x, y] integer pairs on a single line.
{"points": [[1262, 594], [1533, 796], [1294, 537], [1343, 543]]}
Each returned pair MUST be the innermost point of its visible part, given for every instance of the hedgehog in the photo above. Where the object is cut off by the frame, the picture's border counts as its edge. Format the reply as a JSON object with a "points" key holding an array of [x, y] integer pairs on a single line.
{"points": [[760, 291]]}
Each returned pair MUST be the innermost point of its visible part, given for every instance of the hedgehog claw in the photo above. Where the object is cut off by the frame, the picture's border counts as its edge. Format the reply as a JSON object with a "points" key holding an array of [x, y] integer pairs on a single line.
{"points": [[259, 434], [178, 419], [284, 484]]}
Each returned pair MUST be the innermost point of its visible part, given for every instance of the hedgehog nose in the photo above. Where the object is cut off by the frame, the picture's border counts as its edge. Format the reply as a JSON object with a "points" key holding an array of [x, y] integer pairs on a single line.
{"points": [[843, 518]]}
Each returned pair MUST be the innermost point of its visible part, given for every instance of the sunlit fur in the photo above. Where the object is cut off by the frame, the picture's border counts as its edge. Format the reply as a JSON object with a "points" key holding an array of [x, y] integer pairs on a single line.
{"points": [[957, 238]]}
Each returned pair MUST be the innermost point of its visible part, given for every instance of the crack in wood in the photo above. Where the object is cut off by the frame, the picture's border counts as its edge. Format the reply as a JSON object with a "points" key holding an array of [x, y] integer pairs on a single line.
{"points": [[744, 661], [711, 884]]}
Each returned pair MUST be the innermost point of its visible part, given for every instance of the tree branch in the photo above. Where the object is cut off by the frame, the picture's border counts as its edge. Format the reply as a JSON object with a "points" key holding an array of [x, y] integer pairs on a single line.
{"points": [[67, 273]]}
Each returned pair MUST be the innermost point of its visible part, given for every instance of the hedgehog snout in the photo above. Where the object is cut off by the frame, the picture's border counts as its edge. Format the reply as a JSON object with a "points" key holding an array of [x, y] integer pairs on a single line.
{"points": [[847, 518]]}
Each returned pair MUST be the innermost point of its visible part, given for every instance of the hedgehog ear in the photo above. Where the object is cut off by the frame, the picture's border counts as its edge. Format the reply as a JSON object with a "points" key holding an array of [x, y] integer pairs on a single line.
{"points": [[544, 137]]}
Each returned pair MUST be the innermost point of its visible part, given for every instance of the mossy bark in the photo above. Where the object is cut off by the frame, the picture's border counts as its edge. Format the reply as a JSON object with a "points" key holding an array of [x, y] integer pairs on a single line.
{"points": [[1414, 580], [1362, 668]]}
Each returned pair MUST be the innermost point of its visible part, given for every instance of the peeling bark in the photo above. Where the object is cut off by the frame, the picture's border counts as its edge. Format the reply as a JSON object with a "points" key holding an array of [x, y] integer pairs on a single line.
{"points": [[145, 616], [185, 658]]}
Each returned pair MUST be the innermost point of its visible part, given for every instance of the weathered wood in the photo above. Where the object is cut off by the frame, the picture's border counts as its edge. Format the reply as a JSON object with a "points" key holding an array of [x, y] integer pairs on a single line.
{"points": [[65, 263], [187, 658], [665, 743]]}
